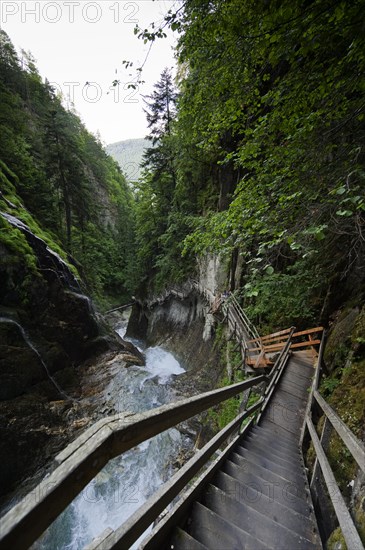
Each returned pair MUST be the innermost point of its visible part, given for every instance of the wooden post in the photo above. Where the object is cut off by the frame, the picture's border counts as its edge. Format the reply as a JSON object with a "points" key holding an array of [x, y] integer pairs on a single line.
{"points": [[325, 441]]}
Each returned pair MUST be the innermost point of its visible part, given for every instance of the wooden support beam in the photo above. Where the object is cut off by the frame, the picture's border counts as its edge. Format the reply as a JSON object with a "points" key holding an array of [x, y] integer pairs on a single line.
{"points": [[280, 335], [278, 347], [270, 336]]}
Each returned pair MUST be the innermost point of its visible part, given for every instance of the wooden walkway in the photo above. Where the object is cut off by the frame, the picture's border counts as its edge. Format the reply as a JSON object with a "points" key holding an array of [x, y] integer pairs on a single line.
{"points": [[260, 498]]}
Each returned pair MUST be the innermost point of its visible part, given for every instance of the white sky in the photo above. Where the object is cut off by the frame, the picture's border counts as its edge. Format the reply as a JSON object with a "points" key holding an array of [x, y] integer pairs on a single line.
{"points": [[80, 41]]}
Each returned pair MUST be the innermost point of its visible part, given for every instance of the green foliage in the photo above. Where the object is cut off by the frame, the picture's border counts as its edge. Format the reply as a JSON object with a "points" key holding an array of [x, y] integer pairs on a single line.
{"points": [[15, 241], [224, 413], [287, 298], [336, 540], [57, 179], [159, 223], [268, 149]]}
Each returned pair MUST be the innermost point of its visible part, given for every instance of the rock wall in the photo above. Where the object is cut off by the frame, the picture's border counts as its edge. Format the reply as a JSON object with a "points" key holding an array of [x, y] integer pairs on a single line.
{"points": [[186, 328], [44, 317], [181, 321], [213, 273], [48, 328]]}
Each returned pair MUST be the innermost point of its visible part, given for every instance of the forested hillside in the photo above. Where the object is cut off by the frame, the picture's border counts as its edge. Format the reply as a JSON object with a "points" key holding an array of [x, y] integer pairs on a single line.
{"points": [[56, 177], [128, 154], [260, 158]]}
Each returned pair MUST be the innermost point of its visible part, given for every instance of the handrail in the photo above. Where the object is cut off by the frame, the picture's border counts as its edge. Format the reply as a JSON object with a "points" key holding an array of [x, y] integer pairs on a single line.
{"points": [[282, 333], [110, 437], [89, 453], [251, 329], [276, 372], [347, 525], [123, 306], [137, 523], [129, 532], [353, 445], [356, 448], [265, 341]]}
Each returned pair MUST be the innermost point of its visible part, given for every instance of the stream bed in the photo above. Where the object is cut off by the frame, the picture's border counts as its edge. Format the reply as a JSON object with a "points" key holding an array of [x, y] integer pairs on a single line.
{"points": [[127, 481]]}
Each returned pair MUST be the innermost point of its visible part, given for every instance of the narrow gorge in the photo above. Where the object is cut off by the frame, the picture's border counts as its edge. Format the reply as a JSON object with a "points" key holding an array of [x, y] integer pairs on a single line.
{"points": [[182, 316]]}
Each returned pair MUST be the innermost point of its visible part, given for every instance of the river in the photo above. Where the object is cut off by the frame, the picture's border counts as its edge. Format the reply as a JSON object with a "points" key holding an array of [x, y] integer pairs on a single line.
{"points": [[127, 481]]}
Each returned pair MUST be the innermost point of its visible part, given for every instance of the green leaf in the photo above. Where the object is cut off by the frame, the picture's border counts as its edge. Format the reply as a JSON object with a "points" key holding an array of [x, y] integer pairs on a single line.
{"points": [[344, 213]]}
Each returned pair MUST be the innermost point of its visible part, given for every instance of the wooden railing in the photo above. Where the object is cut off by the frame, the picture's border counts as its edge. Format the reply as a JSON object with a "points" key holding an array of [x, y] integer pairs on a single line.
{"points": [[120, 308], [260, 350], [249, 327], [88, 454], [322, 466]]}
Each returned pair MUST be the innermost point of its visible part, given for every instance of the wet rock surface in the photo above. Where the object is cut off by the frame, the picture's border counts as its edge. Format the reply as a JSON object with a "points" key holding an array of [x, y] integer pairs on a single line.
{"points": [[178, 326], [36, 426]]}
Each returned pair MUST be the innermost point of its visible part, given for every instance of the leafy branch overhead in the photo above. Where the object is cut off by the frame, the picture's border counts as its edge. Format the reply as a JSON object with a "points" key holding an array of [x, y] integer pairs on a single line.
{"points": [[268, 137]]}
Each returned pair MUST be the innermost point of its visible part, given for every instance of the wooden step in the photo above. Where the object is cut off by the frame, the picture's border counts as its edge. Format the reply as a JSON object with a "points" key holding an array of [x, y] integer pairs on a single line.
{"points": [[299, 376], [263, 529], [295, 390], [217, 533], [255, 459], [280, 435], [264, 504], [288, 398], [287, 419], [292, 464], [181, 540], [302, 370], [269, 449], [270, 484]]}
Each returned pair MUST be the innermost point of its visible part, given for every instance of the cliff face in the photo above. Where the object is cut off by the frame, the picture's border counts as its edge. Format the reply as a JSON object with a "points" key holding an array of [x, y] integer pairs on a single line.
{"points": [[181, 321], [46, 323], [48, 328]]}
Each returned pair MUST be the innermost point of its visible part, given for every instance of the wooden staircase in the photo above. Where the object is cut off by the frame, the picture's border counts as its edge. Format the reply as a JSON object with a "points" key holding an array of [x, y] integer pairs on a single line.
{"points": [[246, 489], [259, 498]]}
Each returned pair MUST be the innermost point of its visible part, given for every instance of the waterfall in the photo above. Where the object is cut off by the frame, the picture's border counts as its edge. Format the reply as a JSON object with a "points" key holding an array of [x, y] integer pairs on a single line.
{"points": [[127, 481], [34, 349]]}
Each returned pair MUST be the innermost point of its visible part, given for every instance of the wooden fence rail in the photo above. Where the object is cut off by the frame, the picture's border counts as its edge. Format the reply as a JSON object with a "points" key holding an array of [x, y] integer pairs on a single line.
{"points": [[322, 466], [89, 453]]}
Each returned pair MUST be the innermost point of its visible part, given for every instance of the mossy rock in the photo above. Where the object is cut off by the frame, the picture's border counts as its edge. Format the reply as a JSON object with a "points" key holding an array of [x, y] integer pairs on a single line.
{"points": [[336, 541], [348, 399], [358, 335], [360, 519], [339, 341]]}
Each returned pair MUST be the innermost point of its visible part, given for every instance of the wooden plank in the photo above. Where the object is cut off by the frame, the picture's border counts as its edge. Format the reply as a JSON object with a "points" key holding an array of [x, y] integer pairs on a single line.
{"points": [[137, 523], [157, 538], [101, 538], [278, 347], [269, 336], [348, 528], [264, 362], [354, 445], [325, 441], [314, 386], [305, 344], [22, 525], [279, 335], [308, 331]]}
